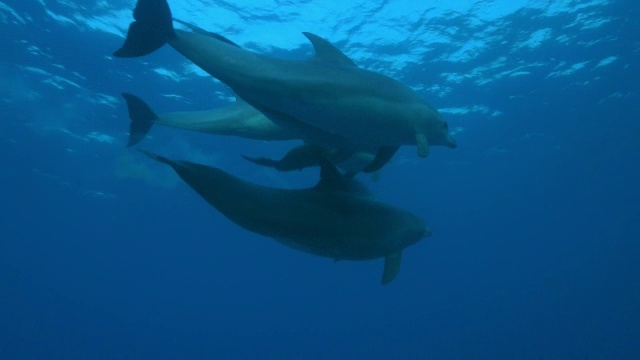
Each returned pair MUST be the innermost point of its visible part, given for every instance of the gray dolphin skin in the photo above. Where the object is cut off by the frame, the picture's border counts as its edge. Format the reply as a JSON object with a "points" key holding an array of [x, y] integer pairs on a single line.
{"points": [[327, 99], [326, 220], [242, 120], [236, 119]]}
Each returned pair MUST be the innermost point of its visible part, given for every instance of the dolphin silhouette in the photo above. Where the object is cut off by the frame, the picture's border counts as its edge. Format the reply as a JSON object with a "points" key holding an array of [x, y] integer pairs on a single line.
{"points": [[236, 119], [242, 120], [327, 220], [327, 99]]}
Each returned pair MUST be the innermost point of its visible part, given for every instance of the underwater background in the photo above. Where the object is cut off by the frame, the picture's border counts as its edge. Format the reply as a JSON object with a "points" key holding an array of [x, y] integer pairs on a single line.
{"points": [[535, 216]]}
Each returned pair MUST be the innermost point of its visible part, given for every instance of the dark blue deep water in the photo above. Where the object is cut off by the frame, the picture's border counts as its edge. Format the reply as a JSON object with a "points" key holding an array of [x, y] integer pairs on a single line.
{"points": [[535, 251]]}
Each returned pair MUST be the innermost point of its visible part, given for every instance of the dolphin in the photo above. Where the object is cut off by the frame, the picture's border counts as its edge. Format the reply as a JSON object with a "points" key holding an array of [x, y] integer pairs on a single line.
{"points": [[236, 119], [327, 220], [328, 99], [242, 120]]}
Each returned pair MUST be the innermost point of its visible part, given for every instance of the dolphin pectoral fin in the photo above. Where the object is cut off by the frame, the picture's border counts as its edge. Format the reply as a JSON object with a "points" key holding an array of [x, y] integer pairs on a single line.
{"points": [[263, 161], [385, 153], [391, 267], [151, 29], [298, 158], [142, 118], [423, 145]]}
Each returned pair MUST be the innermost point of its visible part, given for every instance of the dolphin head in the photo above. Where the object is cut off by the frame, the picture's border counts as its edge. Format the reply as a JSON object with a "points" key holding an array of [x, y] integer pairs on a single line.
{"points": [[436, 129], [441, 136], [412, 230]]}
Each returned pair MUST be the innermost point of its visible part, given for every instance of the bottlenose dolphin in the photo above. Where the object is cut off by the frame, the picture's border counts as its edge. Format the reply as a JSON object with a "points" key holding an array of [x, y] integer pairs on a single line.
{"points": [[242, 120], [327, 99], [236, 119], [326, 220]]}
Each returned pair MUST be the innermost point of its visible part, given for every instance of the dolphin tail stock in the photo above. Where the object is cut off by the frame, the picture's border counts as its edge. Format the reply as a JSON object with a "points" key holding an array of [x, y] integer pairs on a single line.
{"points": [[152, 28], [142, 118], [159, 158], [178, 166]]}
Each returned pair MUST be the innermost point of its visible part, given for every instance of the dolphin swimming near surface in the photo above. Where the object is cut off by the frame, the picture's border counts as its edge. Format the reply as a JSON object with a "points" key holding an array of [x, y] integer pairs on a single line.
{"points": [[242, 120], [326, 220], [327, 99]]}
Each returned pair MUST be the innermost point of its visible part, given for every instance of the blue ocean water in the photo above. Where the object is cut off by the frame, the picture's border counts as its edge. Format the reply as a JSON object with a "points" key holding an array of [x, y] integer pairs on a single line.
{"points": [[535, 216]]}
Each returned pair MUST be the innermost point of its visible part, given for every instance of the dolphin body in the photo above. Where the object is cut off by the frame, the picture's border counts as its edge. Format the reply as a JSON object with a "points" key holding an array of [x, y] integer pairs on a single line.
{"points": [[326, 220], [236, 119], [242, 120], [327, 99]]}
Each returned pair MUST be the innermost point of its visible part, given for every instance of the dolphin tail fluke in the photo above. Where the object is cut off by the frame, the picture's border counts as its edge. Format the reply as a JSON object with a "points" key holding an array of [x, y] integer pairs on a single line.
{"points": [[391, 267], [151, 29], [382, 157], [142, 118]]}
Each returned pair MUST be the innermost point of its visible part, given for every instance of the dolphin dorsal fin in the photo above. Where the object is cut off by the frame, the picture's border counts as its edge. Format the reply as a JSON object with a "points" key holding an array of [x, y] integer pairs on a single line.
{"points": [[326, 52], [330, 177]]}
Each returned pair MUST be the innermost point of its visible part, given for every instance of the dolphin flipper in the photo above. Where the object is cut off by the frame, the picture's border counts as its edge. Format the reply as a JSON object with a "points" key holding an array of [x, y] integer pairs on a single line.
{"points": [[298, 158], [391, 267], [423, 145], [151, 29], [142, 118], [263, 161], [385, 153]]}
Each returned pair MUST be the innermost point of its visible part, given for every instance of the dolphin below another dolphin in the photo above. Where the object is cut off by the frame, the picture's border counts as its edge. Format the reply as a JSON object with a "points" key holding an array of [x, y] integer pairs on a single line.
{"points": [[327, 220], [329, 100]]}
